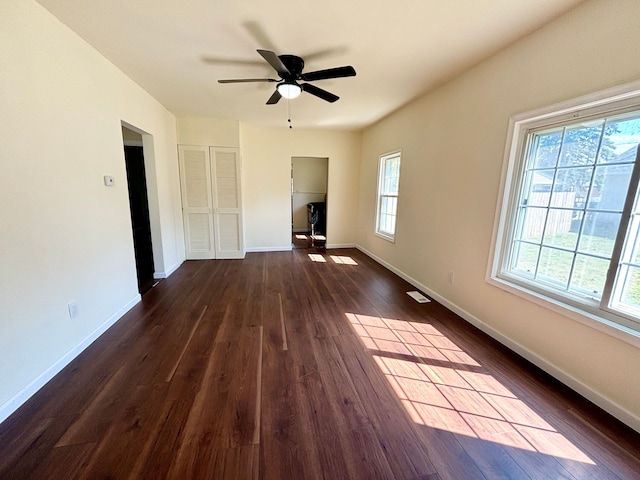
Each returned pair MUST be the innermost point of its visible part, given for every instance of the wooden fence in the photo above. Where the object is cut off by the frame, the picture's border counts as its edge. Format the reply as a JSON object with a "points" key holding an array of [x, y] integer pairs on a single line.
{"points": [[558, 221]]}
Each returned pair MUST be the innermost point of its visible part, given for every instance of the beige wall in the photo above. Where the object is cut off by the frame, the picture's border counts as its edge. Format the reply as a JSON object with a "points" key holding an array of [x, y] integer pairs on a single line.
{"points": [[266, 160], [64, 235], [453, 142], [208, 131]]}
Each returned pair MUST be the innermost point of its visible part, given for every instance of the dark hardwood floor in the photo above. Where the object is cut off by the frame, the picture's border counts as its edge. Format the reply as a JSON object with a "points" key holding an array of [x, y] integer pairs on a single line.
{"points": [[307, 364], [306, 240]]}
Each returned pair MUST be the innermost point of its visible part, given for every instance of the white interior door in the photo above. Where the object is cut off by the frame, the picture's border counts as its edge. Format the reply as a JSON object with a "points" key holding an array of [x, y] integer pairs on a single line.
{"points": [[227, 202], [197, 208]]}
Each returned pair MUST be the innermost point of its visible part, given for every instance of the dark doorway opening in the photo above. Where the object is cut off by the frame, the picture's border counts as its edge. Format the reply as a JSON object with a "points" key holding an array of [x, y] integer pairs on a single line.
{"points": [[139, 205], [309, 186]]}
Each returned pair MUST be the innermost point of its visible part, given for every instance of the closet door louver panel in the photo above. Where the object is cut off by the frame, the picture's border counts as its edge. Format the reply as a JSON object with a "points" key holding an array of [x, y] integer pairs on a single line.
{"points": [[227, 202], [195, 174], [226, 175]]}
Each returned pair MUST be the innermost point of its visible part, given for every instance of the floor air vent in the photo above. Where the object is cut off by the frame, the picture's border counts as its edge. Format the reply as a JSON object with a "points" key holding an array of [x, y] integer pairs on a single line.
{"points": [[418, 297]]}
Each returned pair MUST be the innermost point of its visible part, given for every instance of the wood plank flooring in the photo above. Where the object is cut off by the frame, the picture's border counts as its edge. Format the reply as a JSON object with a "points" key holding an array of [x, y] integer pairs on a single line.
{"points": [[307, 364]]}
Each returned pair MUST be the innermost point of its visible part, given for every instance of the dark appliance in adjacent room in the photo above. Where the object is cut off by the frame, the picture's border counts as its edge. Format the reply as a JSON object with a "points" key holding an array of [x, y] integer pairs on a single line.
{"points": [[317, 219]]}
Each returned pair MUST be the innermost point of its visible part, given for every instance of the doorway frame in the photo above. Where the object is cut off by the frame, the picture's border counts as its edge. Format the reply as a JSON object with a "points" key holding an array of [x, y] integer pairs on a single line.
{"points": [[327, 188], [151, 180]]}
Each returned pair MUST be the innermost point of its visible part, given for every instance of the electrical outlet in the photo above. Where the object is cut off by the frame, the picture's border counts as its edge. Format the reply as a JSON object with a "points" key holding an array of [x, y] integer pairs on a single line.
{"points": [[450, 277], [73, 309]]}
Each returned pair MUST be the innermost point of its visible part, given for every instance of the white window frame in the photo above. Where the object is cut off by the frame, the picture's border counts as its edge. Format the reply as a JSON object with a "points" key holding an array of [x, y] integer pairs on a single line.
{"points": [[382, 194], [605, 103]]}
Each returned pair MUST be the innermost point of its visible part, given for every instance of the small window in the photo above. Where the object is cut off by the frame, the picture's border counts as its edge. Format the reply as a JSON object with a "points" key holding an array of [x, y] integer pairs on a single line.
{"points": [[387, 204], [570, 223]]}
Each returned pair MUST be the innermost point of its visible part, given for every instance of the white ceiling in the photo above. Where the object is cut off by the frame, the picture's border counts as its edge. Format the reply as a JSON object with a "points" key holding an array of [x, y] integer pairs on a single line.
{"points": [[177, 49]]}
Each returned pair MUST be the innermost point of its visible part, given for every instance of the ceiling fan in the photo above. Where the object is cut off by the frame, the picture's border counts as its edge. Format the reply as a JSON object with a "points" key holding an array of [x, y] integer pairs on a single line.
{"points": [[289, 69]]}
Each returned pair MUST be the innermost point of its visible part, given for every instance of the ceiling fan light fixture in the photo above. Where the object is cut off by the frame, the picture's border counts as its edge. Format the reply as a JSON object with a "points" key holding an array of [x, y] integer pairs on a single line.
{"points": [[289, 90]]}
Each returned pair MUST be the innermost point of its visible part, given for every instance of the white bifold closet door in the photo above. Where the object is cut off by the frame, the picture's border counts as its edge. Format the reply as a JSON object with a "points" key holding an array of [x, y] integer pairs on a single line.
{"points": [[211, 201]]}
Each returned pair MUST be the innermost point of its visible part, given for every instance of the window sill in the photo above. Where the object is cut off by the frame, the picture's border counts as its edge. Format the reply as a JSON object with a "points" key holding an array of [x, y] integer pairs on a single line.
{"points": [[388, 238], [602, 324]]}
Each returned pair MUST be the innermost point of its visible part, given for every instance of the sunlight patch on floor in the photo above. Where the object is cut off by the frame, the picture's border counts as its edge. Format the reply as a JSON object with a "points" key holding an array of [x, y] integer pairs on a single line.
{"points": [[343, 259], [443, 387], [339, 259]]}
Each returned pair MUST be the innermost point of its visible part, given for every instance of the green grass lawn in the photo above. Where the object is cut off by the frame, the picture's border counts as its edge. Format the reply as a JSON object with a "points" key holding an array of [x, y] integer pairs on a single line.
{"points": [[589, 273]]}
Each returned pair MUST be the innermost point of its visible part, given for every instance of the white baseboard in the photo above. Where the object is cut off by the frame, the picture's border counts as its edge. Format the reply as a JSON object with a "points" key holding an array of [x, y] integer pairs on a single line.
{"points": [[340, 245], [285, 248], [289, 248], [608, 405], [27, 392], [160, 275]]}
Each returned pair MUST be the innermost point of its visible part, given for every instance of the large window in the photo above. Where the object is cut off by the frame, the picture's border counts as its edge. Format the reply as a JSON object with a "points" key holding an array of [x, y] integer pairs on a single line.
{"points": [[570, 224], [387, 204]]}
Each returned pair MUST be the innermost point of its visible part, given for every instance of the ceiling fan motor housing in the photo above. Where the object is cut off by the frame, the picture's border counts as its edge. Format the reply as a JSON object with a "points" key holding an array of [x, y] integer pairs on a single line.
{"points": [[294, 64]]}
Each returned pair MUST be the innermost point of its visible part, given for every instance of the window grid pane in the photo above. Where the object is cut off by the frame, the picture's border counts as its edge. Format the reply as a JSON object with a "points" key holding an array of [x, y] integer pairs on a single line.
{"points": [[626, 292], [388, 188], [388, 207], [573, 192], [569, 230], [391, 176]]}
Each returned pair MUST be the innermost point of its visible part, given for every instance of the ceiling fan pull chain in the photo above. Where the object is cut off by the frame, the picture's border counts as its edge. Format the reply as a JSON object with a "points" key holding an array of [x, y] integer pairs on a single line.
{"points": [[289, 111]]}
